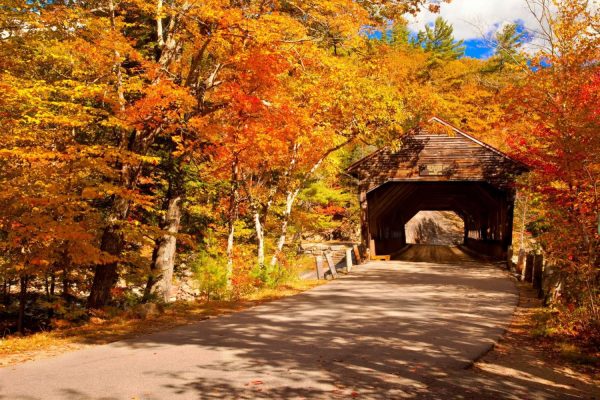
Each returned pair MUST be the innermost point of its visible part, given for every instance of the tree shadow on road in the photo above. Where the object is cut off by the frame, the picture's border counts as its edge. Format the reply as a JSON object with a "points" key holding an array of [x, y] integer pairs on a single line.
{"points": [[390, 330], [373, 343]]}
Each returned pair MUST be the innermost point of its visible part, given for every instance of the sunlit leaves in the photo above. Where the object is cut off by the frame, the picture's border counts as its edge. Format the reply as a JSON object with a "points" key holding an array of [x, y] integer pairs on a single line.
{"points": [[553, 116]]}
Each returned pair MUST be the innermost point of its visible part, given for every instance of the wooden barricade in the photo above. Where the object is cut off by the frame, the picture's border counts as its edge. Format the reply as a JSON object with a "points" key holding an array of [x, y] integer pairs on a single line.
{"points": [[527, 275], [331, 264], [320, 267], [324, 271], [357, 254], [348, 260]]}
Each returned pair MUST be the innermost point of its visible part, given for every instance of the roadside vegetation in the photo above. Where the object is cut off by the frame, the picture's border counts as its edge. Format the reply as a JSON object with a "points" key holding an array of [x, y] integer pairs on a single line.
{"points": [[112, 324]]}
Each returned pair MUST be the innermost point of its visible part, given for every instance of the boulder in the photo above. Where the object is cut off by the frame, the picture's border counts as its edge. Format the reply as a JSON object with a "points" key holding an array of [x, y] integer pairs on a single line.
{"points": [[147, 310]]}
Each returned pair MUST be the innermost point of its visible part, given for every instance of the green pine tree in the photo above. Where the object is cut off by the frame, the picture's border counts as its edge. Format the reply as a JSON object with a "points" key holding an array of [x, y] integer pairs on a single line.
{"points": [[508, 43], [399, 34], [439, 42]]}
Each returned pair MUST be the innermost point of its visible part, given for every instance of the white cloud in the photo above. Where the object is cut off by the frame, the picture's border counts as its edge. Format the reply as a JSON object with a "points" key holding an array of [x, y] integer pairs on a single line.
{"points": [[472, 19]]}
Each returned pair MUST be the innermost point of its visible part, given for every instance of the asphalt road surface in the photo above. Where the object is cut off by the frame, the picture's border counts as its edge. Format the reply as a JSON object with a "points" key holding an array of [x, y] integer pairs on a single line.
{"points": [[388, 330], [434, 254]]}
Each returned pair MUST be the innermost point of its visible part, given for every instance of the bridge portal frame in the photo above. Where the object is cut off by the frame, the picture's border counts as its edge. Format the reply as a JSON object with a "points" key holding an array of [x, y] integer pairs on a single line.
{"points": [[437, 167]]}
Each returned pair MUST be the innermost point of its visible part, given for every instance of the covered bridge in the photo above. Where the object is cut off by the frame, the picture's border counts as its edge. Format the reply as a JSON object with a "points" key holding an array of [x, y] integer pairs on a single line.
{"points": [[437, 168]]}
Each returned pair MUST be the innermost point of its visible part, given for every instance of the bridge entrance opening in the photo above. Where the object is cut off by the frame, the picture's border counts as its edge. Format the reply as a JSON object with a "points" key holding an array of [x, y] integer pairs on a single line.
{"points": [[438, 228], [485, 210]]}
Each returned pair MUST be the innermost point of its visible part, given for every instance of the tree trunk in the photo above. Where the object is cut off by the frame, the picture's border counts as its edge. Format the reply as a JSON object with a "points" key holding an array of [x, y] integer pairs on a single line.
{"points": [[22, 300], [260, 240], [232, 217], [105, 278], [230, 242], [159, 26], [106, 275], [52, 283], [66, 286], [47, 286], [289, 202], [150, 282], [164, 252], [7, 292]]}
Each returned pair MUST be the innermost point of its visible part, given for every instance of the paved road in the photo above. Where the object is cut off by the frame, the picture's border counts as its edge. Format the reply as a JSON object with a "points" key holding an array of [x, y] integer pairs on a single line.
{"points": [[435, 254], [389, 330]]}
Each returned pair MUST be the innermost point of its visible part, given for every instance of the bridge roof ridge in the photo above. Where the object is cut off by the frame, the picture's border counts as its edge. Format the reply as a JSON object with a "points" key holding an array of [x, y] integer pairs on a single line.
{"points": [[419, 131]]}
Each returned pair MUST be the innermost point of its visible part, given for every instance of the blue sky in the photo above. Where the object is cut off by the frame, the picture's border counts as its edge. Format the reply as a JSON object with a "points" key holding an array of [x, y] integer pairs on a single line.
{"points": [[477, 48], [475, 20]]}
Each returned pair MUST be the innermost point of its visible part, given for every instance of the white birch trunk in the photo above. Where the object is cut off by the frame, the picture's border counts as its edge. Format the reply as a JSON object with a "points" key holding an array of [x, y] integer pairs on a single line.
{"points": [[233, 208], [290, 198], [260, 239], [159, 25], [230, 242]]}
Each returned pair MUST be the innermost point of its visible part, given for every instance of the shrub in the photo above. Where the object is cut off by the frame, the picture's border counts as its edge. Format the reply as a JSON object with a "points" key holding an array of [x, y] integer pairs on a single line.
{"points": [[210, 272]]}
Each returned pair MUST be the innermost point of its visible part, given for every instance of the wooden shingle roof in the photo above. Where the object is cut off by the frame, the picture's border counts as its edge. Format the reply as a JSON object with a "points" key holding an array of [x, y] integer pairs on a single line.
{"points": [[426, 156]]}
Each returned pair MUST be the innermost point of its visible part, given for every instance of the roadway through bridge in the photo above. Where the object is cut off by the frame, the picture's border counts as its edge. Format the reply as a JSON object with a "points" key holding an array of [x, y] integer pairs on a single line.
{"points": [[434, 254], [388, 330]]}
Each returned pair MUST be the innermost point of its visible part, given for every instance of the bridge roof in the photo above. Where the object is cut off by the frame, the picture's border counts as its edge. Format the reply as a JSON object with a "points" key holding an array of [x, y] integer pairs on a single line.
{"points": [[438, 155]]}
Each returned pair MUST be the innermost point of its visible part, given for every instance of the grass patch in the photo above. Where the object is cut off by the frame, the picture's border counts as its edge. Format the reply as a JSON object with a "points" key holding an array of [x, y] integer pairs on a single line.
{"points": [[542, 326], [123, 325], [575, 354], [546, 326]]}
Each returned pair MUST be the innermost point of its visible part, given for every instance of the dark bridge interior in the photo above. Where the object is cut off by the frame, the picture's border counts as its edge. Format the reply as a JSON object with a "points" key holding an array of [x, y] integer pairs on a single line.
{"points": [[485, 210]]}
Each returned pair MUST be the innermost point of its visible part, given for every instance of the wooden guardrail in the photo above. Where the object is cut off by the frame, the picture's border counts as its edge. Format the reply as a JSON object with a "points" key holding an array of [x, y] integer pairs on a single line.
{"points": [[531, 267], [330, 271]]}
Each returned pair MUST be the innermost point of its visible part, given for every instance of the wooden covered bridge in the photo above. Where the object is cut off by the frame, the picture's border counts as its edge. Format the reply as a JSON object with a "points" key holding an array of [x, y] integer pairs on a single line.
{"points": [[439, 168]]}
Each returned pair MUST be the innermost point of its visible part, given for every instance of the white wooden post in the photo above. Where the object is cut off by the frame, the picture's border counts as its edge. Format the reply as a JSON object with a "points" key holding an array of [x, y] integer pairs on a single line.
{"points": [[348, 260], [320, 269], [331, 264]]}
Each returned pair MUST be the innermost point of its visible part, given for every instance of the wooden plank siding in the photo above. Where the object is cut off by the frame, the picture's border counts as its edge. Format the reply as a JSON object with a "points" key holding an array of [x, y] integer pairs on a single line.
{"points": [[437, 172], [465, 161]]}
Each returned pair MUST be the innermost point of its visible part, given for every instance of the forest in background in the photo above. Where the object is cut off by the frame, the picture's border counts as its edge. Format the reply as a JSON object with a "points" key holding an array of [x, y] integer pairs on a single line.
{"points": [[145, 139]]}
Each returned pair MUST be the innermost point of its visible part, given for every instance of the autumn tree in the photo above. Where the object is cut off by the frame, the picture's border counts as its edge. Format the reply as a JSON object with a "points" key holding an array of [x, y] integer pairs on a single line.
{"points": [[110, 109], [53, 96], [553, 114], [399, 34]]}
